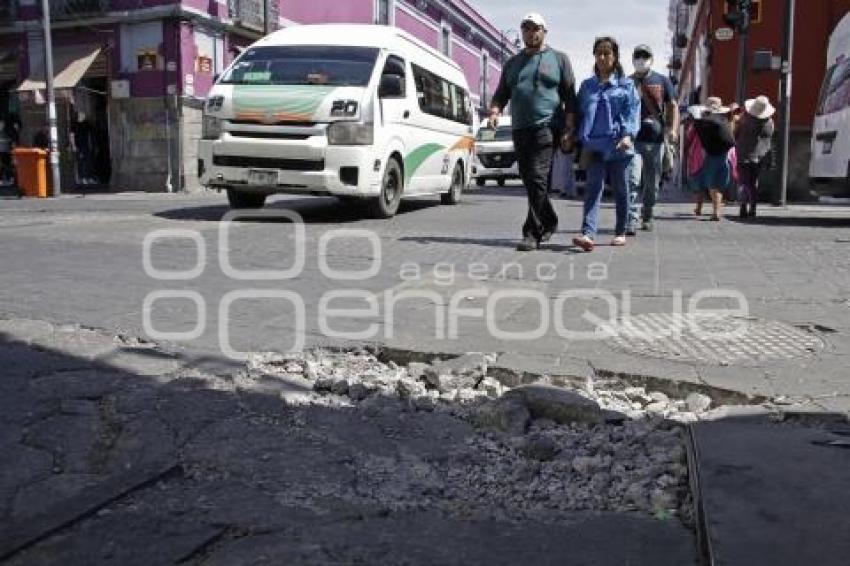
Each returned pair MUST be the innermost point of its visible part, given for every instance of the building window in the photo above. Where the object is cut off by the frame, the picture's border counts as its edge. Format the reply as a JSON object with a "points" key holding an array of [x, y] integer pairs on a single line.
{"points": [[140, 47], [446, 40], [384, 12]]}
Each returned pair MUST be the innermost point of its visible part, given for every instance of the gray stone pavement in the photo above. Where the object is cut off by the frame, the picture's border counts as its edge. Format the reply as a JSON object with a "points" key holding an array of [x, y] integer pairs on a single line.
{"points": [[775, 492], [78, 261]]}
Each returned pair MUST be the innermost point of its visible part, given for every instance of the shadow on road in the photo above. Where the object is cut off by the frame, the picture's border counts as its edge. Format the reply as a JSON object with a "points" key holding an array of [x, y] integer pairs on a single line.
{"points": [[133, 465], [322, 210], [796, 221]]}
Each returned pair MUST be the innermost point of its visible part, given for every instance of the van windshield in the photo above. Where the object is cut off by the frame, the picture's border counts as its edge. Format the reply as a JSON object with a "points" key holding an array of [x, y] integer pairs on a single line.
{"points": [[329, 65], [501, 133], [835, 92]]}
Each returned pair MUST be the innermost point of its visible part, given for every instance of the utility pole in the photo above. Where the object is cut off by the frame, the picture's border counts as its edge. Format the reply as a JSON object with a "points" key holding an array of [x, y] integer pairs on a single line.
{"points": [[743, 64], [51, 100], [785, 102], [266, 17]]}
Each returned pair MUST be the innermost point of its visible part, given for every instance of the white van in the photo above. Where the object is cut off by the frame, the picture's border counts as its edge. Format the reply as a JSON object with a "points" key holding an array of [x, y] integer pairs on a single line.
{"points": [[829, 168], [354, 111], [495, 158]]}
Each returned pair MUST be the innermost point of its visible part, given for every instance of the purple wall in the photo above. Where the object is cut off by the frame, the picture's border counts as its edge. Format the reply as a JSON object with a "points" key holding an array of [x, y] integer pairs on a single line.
{"points": [[410, 24], [314, 12], [471, 65], [493, 78], [202, 5]]}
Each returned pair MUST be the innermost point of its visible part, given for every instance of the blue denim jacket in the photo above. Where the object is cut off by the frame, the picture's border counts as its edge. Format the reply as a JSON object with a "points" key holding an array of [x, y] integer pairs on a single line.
{"points": [[624, 101]]}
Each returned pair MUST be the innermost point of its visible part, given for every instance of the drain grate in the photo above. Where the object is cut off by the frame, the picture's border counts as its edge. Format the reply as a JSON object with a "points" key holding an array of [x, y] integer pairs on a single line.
{"points": [[714, 339]]}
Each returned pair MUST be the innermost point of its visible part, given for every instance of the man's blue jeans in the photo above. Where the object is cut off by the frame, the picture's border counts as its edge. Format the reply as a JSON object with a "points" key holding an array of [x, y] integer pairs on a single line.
{"points": [[633, 174], [596, 173], [650, 178]]}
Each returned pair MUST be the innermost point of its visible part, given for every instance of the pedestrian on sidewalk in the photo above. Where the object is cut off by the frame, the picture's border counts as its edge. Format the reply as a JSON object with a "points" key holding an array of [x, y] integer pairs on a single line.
{"points": [[537, 81], [694, 157], [609, 115], [752, 142], [634, 175], [6, 146], [563, 176], [715, 134], [659, 125]]}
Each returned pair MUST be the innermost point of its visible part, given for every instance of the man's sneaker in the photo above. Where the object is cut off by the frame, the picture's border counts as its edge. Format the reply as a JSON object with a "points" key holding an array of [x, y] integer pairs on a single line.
{"points": [[528, 244], [646, 225], [583, 242], [545, 237], [630, 230]]}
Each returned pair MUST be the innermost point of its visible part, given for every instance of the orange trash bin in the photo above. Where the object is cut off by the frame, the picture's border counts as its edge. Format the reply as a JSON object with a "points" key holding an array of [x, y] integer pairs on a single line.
{"points": [[31, 166]]}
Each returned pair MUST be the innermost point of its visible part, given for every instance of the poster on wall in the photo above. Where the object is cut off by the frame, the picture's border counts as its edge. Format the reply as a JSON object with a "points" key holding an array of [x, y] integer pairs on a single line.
{"points": [[204, 65], [146, 59]]}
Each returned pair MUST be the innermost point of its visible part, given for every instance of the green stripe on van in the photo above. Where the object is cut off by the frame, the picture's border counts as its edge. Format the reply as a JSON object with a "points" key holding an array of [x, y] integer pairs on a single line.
{"points": [[417, 157]]}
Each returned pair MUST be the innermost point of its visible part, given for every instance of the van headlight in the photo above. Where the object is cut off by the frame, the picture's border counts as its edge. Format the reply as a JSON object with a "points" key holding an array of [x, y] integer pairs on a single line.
{"points": [[211, 127], [351, 133]]}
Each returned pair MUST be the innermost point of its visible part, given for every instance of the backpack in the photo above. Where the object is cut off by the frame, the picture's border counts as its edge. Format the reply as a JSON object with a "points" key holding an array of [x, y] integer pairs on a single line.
{"points": [[653, 125]]}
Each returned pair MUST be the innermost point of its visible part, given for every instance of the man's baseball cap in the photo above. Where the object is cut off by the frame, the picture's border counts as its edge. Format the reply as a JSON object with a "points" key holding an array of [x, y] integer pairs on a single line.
{"points": [[535, 19], [642, 49]]}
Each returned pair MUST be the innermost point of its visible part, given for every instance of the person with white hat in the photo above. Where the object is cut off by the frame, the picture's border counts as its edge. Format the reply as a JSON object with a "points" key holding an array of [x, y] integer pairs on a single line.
{"points": [[715, 134], [540, 85], [752, 140]]}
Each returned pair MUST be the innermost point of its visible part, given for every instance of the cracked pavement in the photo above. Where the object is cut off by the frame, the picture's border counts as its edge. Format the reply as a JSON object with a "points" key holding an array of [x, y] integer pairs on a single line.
{"points": [[116, 434]]}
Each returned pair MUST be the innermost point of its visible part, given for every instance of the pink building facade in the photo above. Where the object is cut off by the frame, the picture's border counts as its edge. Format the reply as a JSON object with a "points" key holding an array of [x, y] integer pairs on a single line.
{"points": [[139, 70]]}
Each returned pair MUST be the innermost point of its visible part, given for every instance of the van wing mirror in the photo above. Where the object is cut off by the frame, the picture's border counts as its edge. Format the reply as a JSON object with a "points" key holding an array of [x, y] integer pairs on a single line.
{"points": [[393, 67], [215, 78], [392, 86]]}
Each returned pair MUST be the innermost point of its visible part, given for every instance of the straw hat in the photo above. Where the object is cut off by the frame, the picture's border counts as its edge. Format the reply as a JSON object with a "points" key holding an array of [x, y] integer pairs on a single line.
{"points": [[696, 111], [759, 107], [714, 105]]}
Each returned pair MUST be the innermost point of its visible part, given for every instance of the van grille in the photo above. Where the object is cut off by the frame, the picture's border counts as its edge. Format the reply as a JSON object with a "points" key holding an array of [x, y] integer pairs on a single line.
{"points": [[268, 135], [281, 123], [269, 163], [501, 160]]}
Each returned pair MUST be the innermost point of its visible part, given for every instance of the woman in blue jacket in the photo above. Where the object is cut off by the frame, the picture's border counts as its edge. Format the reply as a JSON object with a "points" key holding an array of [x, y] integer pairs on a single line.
{"points": [[609, 110]]}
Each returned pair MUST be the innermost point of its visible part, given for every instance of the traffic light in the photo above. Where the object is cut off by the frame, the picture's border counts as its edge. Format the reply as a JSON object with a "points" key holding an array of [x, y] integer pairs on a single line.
{"points": [[738, 14]]}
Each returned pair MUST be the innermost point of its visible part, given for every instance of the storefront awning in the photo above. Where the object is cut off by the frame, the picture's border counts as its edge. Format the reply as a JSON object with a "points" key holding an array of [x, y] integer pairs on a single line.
{"points": [[69, 66]]}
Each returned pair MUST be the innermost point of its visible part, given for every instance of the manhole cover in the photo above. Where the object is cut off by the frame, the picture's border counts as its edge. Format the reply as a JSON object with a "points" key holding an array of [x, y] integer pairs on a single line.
{"points": [[714, 339]]}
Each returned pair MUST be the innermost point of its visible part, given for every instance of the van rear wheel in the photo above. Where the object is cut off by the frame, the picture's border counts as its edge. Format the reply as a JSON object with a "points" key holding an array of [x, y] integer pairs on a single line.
{"points": [[386, 204], [240, 199], [480, 181], [453, 196]]}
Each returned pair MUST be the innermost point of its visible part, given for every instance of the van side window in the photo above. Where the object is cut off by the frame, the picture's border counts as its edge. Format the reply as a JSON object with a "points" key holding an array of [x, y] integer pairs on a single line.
{"points": [[439, 97]]}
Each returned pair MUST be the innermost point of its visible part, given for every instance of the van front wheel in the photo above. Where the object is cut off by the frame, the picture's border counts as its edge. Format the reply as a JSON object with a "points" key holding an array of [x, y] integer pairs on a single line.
{"points": [[453, 196], [386, 205], [240, 199]]}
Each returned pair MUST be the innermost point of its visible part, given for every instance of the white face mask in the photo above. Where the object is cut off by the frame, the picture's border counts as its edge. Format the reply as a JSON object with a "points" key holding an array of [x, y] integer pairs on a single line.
{"points": [[642, 65]]}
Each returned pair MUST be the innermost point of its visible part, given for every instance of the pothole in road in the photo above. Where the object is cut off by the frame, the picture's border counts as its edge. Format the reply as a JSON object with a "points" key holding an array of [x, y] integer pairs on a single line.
{"points": [[713, 339]]}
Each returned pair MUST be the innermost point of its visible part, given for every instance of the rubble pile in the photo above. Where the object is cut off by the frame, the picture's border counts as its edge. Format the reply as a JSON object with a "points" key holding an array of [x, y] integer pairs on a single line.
{"points": [[535, 449]]}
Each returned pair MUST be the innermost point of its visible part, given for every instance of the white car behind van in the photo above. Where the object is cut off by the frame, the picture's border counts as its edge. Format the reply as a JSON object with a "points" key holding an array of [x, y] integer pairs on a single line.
{"points": [[495, 158], [354, 111]]}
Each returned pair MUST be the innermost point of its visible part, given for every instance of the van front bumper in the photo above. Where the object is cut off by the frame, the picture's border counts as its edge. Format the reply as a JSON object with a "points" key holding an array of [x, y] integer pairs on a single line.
{"points": [[311, 166]]}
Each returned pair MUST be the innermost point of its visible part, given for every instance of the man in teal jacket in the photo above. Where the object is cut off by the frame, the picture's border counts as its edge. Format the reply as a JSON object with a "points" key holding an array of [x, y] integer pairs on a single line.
{"points": [[540, 85]]}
